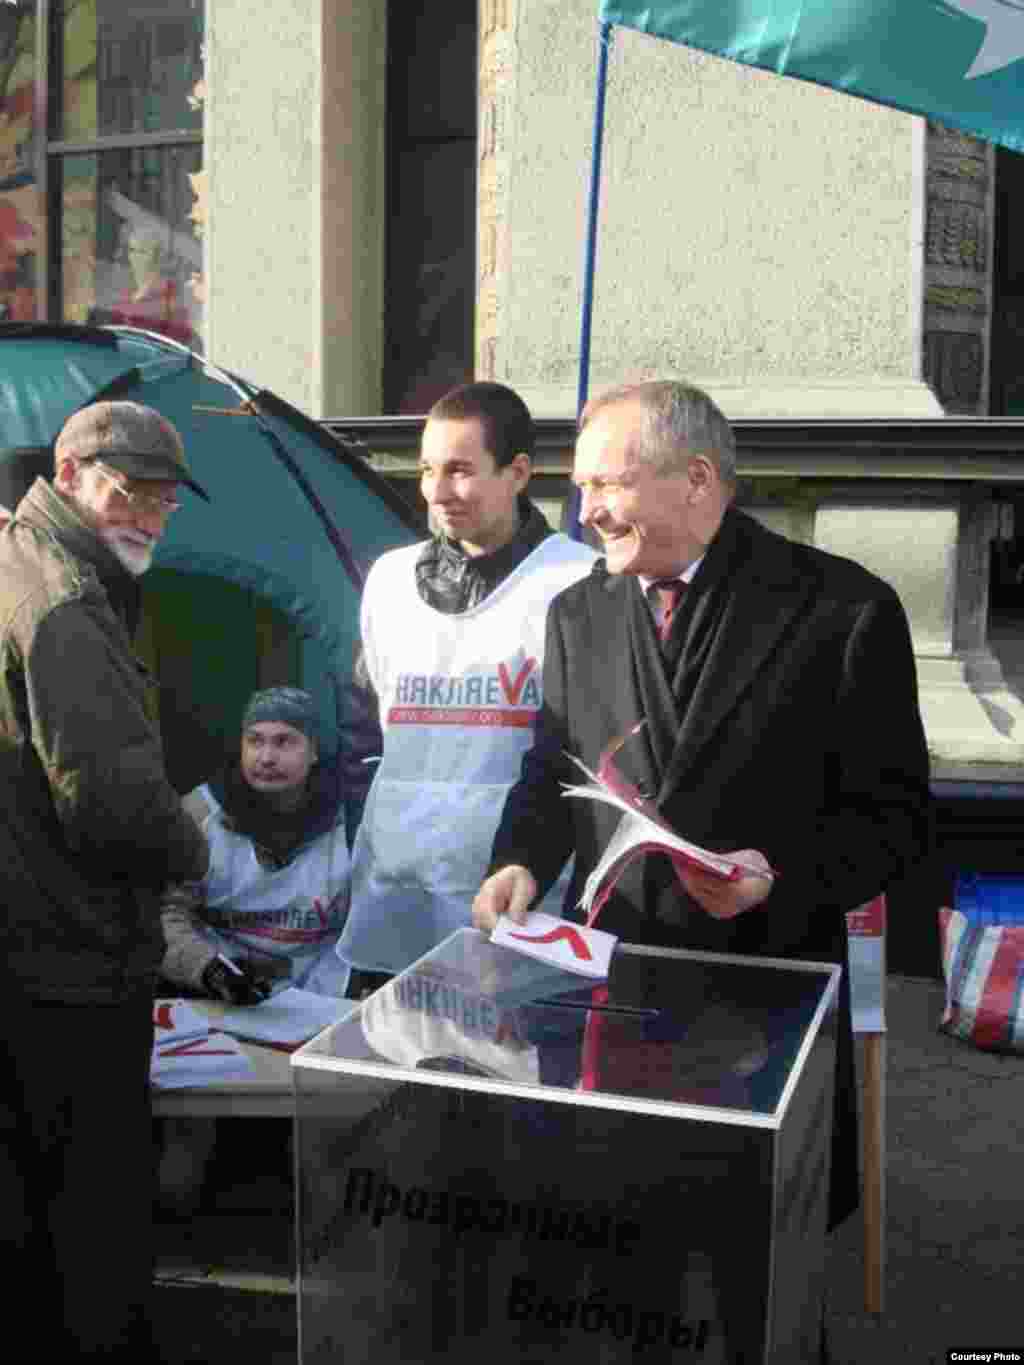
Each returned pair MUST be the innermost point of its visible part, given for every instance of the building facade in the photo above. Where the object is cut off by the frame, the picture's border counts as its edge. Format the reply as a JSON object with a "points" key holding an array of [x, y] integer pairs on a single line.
{"points": [[358, 203]]}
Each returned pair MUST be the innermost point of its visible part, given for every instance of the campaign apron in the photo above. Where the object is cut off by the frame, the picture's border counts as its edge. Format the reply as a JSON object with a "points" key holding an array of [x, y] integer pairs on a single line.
{"points": [[294, 913], [459, 696]]}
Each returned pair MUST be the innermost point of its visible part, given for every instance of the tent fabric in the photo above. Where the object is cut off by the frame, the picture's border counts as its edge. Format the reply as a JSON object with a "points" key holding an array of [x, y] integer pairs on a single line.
{"points": [[956, 61], [295, 519]]}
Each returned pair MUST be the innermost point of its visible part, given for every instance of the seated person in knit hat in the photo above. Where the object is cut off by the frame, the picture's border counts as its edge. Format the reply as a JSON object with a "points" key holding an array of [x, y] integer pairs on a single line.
{"points": [[270, 909]]}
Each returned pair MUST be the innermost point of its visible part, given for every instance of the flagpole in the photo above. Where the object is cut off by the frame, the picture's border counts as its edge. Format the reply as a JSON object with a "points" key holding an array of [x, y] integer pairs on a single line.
{"points": [[590, 253], [604, 41]]}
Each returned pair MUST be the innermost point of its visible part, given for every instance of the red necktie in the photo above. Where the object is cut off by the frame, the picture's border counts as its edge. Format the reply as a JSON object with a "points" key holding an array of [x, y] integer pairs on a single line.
{"points": [[666, 594]]}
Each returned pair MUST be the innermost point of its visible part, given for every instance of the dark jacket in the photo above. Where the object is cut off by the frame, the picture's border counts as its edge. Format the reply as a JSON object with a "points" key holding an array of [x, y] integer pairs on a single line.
{"points": [[787, 722], [90, 829], [785, 719]]}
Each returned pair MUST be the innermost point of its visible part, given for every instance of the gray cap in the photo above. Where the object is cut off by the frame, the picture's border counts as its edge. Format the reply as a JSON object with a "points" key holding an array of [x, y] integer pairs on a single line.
{"points": [[288, 705], [134, 439]]}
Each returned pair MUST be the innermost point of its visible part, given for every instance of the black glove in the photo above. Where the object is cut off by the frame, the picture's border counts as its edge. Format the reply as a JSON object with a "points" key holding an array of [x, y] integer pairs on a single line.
{"points": [[238, 987]]}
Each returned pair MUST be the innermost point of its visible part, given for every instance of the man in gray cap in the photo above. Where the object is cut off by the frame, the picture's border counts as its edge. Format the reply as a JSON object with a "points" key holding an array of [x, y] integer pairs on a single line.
{"points": [[121, 463], [90, 834]]}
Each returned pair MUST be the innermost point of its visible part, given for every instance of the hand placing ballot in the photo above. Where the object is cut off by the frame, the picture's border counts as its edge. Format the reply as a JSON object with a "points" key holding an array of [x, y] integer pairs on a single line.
{"points": [[511, 892]]}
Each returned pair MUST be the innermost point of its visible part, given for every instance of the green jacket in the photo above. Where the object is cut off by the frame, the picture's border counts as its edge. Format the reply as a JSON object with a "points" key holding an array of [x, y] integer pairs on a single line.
{"points": [[90, 829]]}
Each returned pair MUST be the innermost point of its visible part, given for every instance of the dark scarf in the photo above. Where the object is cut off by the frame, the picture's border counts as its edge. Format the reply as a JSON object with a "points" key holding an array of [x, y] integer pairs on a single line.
{"points": [[281, 834], [674, 670], [451, 581], [699, 620]]}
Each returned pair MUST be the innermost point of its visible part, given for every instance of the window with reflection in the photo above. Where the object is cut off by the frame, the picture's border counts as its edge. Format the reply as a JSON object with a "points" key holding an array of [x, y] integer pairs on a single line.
{"points": [[128, 252], [21, 218], [126, 171], [129, 67]]}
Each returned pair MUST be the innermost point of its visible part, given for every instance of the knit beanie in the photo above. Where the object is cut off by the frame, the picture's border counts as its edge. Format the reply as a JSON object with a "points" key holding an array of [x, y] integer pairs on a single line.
{"points": [[288, 705]]}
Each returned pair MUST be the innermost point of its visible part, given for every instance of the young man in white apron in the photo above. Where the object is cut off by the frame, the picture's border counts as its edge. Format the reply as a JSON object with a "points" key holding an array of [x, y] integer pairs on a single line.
{"points": [[453, 645]]}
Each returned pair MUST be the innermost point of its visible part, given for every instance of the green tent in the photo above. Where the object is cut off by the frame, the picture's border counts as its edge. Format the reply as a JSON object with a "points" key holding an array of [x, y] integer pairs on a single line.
{"points": [[259, 586]]}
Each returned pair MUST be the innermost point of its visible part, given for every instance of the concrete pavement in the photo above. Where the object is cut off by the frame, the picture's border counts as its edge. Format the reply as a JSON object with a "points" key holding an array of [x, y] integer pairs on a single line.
{"points": [[955, 1212]]}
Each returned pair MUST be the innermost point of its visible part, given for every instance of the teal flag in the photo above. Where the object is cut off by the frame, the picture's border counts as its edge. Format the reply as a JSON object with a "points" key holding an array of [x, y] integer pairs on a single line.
{"points": [[956, 61]]}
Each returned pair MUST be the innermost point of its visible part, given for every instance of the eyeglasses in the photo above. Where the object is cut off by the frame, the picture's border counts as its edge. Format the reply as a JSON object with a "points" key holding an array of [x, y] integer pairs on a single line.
{"points": [[141, 502]]}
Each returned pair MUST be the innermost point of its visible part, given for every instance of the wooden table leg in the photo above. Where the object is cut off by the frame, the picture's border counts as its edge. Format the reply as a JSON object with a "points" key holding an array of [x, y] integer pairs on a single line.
{"points": [[873, 1165]]}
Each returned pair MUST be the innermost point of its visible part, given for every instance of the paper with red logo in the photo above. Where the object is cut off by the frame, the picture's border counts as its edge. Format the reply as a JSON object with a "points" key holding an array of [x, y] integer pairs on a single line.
{"points": [[642, 830], [190, 1062], [174, 1021], [558, 942]]}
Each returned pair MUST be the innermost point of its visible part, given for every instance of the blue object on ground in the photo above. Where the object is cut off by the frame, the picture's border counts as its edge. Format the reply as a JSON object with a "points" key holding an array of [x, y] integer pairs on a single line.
{"points": [[989, 899]]}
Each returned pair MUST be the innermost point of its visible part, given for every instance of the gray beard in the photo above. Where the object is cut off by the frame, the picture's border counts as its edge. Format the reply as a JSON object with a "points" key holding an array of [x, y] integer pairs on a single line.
{"points": [[135, 561]]}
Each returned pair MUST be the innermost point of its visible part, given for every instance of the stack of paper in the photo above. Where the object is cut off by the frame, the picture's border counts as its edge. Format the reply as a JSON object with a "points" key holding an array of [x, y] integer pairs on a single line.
{"points": [[641, 830], [186, 1053]]}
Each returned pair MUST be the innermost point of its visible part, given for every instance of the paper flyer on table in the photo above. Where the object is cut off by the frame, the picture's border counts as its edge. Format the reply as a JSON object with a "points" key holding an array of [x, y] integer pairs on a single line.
{"points": [[289, 1018], [192, 1062], [176, 1020], [570, 947]]}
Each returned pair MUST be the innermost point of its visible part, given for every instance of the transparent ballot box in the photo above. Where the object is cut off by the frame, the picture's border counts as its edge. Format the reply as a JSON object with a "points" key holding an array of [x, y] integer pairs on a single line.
{"points": [[498, 1161]]}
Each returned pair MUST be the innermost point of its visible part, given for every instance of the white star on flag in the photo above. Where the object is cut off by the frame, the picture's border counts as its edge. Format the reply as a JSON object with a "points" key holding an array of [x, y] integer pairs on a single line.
{"points": [[1003, 43]]}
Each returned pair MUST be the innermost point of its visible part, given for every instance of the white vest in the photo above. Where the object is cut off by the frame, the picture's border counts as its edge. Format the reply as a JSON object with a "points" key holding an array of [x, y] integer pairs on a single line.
{"points": [[459, 696], [294, 912]]}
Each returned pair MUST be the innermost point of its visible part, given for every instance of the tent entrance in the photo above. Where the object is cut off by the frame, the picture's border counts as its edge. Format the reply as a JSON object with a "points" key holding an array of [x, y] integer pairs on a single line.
{"points": [[211, 644]]}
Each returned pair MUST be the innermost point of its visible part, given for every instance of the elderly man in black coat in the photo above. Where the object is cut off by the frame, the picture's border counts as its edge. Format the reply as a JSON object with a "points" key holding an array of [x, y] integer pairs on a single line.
{"points": [[780, 712]]}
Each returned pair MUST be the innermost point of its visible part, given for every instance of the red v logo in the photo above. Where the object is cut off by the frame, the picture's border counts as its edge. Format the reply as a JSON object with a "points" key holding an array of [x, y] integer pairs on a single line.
{"points": [[162, 1015], [513, 688], [574, 938]]}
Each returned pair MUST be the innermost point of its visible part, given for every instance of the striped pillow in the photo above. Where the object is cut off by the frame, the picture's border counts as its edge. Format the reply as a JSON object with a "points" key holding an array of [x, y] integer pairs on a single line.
{"points": [[984, 970]]}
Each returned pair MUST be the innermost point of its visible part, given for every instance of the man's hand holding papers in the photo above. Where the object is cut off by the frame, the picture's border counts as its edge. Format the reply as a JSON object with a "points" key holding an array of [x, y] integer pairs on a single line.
{"points": [[726, 899], [723, 884]]}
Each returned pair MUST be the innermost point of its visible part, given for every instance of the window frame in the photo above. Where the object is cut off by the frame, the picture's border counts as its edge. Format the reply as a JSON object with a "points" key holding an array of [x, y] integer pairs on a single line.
{"points": [[49, 271]]}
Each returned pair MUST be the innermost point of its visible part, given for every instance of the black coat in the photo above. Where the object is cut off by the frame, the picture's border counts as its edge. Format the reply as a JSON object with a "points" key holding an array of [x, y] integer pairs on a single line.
{"points": [[787, 721]]}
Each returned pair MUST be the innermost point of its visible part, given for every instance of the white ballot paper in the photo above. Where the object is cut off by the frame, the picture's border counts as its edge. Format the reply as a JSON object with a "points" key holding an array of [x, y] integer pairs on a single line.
{"points": [[190, 1062], [289, 1018], [642, 830], [571, 947]]}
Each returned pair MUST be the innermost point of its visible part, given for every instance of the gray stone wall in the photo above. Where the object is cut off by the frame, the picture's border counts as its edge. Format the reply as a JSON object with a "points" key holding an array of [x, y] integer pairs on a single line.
{"points": [[762, 237]]}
